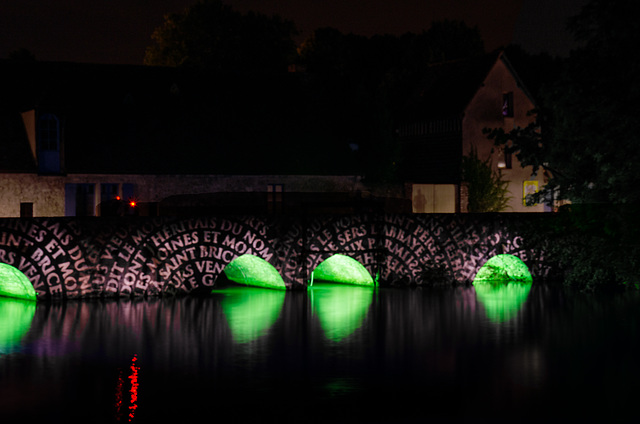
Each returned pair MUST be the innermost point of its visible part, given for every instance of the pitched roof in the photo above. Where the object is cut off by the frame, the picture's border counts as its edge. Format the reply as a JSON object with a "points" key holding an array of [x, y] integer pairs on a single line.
{"points": [[447, 88]]}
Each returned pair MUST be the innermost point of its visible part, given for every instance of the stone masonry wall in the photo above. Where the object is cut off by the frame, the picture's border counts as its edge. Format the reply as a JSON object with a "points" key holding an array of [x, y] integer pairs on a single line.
{"points": [[135, 256]]}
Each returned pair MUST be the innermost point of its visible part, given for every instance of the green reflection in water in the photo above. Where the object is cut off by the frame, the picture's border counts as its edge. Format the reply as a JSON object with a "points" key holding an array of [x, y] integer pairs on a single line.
{"points": [[340, 308], [502, 286], [343, 269], [502, 301], [503, 268], [14, 283], [15, 320], [251, 270], [250, 311]]}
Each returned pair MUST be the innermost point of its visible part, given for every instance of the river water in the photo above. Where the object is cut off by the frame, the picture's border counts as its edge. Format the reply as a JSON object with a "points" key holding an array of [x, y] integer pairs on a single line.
{"points": [[332, 354]]}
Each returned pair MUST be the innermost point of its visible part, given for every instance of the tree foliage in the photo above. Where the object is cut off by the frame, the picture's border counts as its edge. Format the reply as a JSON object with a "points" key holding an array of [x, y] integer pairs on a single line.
{"points": [[369, 80], [211, 35], [488, 192], [586, 140], [329, 50], [585, 136]]}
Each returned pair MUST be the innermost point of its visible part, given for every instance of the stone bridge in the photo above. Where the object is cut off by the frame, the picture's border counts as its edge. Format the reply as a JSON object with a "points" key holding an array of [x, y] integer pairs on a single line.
{"points": [[136, 256]]}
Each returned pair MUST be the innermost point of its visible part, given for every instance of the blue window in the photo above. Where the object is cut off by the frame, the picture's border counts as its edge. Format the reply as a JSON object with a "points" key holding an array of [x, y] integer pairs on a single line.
{"points": [[48, 137]]}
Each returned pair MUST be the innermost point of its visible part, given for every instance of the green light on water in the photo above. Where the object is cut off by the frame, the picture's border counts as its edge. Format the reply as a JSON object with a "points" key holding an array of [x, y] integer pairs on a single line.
{"points": [[250, 270], [502, 286], [502, 301], [340, 308], [344, 270], [503, 268], [15, 320], [14, 283], [250, 311]]}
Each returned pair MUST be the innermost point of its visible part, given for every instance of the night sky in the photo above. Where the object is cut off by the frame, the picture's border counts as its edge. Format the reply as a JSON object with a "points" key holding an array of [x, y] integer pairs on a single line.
{"points": [[117, 31]]}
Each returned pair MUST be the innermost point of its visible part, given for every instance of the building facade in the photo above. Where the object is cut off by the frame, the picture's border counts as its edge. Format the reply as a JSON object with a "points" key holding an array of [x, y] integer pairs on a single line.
{"points": [[458, 102]]}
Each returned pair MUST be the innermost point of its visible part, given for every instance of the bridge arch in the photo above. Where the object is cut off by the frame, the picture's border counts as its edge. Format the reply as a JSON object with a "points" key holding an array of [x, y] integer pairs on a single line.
{"points": [[251, 270], [342, 269], [146, 256], [183, 255], [13, 283], [502, 286], [503, 268]]}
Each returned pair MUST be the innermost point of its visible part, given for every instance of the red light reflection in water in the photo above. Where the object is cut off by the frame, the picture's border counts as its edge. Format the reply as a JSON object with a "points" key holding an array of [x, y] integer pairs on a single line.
{"points": [[133, 391], [133, 404]]}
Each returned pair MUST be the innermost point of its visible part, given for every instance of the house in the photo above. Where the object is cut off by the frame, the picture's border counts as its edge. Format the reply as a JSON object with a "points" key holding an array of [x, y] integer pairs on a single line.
{"points": [[98, 140], [456, 102]]}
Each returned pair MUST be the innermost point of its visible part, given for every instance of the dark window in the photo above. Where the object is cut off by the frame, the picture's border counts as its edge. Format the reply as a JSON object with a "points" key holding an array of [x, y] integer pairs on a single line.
{"points": [[109, 192], [507, 105], [85, 200], [508, 160], [152, 208], [128, 194], [49, 132], [26, 210], [275, 193], [48, 141]]}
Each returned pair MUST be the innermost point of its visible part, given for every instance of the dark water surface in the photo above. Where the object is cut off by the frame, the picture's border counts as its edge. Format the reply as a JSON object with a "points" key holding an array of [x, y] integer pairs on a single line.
{"points": [[335, 354]]}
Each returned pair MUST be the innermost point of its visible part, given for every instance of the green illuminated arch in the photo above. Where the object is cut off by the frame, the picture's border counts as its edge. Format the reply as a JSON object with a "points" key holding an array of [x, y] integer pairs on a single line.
{"points": [[340, 308], [15, 320], [503, 268], [250, 311], [344, 270], [250, 270], [14, 283]]}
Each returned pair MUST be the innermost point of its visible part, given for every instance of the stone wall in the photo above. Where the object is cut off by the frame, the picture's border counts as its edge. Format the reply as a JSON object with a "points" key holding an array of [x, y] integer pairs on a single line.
{"points": [[136, 256], [47, 192]]}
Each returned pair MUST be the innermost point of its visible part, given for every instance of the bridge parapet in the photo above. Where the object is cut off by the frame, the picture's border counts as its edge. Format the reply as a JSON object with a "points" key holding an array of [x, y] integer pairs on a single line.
{"points": [[136, 256]]}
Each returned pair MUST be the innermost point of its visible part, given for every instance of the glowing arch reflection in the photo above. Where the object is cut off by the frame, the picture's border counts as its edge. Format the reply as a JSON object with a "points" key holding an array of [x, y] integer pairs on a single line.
{"points": [[250, 311], [340, 308], [502, 286], [502, 302], [16, 316]]}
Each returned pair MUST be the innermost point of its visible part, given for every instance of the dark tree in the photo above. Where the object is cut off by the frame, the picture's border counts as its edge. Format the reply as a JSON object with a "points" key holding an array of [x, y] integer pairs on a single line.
{"points": [[212, 36], [367, 81], [586, 136], [329, 50], [22, 55], [449, 40], [586, 140]]}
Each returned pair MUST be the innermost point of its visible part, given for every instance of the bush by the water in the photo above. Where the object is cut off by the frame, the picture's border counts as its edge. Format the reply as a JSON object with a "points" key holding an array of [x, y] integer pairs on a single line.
{"points": [[591, 247]]}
